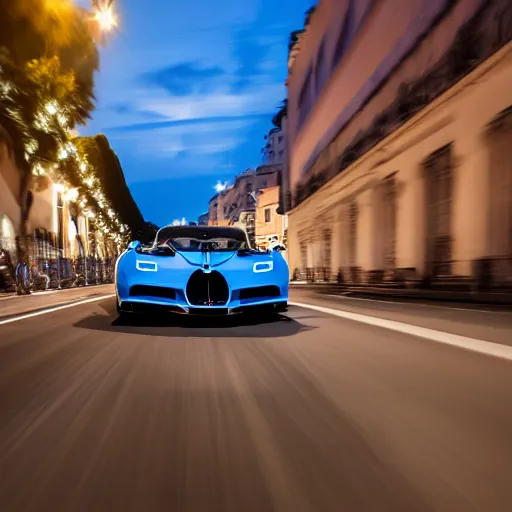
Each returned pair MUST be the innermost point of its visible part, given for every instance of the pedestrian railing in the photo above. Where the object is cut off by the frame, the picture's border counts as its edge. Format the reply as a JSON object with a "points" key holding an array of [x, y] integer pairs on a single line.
{"points": [[49, 267]]}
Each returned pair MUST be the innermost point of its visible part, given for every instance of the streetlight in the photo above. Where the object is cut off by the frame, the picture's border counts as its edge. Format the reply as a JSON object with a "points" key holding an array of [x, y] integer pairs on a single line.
{"points": [[106, 20], [104, 14]]}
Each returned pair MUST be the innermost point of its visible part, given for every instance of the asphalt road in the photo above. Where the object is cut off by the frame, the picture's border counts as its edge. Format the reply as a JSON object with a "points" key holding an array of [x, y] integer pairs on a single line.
{"points": [[309, 412]]}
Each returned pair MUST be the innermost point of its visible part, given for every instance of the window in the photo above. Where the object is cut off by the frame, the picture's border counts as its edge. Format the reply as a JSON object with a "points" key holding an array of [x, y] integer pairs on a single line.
{"points": [[268, 215], [499, 136], [320, 70], [438, 168], [280, 139], [346, 34], [305, 102]]}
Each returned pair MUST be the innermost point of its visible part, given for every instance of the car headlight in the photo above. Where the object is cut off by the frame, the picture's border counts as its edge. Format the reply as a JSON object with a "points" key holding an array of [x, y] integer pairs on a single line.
{"points": [[146, 266], [263, 266]]}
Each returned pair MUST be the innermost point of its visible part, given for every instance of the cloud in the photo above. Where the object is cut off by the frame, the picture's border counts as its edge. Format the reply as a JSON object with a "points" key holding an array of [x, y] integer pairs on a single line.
{"points": [[184, 78], [226, 104], [157, 125], [173, 140]]}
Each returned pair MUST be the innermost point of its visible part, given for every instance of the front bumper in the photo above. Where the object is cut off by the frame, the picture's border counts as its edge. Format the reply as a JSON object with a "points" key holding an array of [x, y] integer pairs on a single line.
{"points": [[153, 307]]}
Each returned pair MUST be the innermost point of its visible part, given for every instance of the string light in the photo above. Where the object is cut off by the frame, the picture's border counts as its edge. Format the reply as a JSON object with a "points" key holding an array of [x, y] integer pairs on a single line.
{"points": [[63, 153], [71, 195], [51, 107]]}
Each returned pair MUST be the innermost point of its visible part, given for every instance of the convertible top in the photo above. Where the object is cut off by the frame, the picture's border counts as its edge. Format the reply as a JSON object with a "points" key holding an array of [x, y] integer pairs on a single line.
{"points": [[201, 233]]}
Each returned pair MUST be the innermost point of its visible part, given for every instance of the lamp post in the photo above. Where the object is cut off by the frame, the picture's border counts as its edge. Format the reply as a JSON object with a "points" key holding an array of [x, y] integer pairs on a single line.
{"points": [[104, 15]]}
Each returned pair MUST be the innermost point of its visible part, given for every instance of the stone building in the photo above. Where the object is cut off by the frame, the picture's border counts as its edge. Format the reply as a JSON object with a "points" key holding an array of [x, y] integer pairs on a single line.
{"points": [[54, 223], [400, 142], [269, 225], [236, 205]]}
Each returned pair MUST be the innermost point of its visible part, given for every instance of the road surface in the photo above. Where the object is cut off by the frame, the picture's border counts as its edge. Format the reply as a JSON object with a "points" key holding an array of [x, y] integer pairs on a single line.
{"points": [[309, 412]]}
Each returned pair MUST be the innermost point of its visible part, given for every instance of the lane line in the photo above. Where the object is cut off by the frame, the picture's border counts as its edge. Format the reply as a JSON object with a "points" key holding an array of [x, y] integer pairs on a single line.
{"points": [[455, 340], [56, 308], [344, 297]]}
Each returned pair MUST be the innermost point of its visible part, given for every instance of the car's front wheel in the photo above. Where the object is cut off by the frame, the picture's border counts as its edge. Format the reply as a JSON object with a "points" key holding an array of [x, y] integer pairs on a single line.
{"points": [[120, 312], [282, 307]]}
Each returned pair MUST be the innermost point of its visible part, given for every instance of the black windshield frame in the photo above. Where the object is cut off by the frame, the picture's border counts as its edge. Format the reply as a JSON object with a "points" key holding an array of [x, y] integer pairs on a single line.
{"points": [[184, 244], [203, 235]]}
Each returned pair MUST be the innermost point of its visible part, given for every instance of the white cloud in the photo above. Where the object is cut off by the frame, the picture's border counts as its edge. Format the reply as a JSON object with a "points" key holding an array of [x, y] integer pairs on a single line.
{"points": [[256, 101], [211, 148], [206, 138], [196, 165]]}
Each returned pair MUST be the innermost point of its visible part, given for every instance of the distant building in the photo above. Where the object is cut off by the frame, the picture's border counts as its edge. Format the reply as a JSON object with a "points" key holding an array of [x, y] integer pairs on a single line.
{"points": [[275, 151], [236, 205], [399, 133], [270, 226], [203, 219]]}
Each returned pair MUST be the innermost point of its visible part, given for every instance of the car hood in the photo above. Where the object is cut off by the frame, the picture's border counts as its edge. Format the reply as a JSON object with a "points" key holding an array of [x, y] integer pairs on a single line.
{"points": [[199, 259]]}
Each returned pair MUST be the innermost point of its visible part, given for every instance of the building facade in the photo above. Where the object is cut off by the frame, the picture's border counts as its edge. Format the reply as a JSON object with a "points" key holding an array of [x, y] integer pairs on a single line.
{"points": [[270, 226], [236, 205], [400, 132], [276, 147], [9, 197], [56, 226], [203, 219]]}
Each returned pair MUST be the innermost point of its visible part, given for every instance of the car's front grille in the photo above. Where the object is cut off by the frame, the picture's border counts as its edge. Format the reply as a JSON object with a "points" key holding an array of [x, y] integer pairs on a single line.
{"points": [[160, 292], [259, 292], [207, 289]]}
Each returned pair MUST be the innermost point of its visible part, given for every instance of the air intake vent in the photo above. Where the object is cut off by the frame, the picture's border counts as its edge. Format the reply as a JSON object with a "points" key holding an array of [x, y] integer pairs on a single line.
{"points": [[207, 289], [259, 292], [152, 291]]}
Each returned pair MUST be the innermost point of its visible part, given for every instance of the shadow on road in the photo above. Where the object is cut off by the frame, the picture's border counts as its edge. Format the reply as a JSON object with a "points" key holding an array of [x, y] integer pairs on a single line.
{"points": [[177, 326]]}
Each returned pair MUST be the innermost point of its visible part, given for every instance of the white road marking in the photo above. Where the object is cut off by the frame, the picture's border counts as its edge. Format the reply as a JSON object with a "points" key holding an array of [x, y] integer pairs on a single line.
{"points": [[340, 296], [475, 345], [56, 308]]}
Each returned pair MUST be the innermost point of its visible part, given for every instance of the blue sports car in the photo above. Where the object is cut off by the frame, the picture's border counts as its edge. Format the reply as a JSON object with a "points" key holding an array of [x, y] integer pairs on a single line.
{"points": [[200, 270]]}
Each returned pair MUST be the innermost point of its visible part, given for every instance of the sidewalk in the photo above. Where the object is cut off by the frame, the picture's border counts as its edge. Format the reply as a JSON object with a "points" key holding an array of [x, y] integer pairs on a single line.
{"points": [[12, 305], [407, 293], [491, 323]]}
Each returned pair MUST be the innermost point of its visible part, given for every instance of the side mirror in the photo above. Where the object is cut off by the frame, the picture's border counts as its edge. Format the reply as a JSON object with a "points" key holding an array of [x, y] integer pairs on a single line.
{"points": [[134, 245], [279, 248]]}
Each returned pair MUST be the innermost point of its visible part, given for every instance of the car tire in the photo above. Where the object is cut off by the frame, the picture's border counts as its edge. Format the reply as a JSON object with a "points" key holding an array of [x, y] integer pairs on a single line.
{"points": [[120, 312], [281, 308]]}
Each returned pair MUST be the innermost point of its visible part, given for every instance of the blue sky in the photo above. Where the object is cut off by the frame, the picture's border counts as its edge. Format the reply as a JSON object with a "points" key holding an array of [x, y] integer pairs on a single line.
{"points": [[187, 91]]}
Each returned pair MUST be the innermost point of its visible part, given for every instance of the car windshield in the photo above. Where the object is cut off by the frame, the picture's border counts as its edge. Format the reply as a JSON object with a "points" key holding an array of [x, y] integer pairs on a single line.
{"points": [[202, 239], [223, 244]]}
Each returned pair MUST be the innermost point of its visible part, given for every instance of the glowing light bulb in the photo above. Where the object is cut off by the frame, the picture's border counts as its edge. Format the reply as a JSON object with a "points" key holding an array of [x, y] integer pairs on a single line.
{"points": [[106, 19]]}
